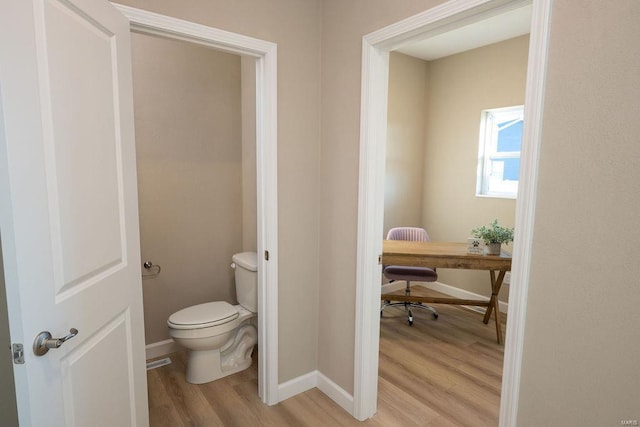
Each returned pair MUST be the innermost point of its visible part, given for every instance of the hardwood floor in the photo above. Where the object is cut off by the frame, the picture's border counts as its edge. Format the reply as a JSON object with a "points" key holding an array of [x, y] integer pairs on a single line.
{"points": [[440, 373]]}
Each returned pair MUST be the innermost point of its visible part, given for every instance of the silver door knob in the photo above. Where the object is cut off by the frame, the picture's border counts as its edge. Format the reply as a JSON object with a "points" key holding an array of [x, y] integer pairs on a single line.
{"points": [[44, 342]]}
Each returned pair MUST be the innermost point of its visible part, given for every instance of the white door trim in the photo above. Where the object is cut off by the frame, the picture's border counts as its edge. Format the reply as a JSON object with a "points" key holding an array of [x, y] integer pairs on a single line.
{"points": [[265, 54], [373, 130]]}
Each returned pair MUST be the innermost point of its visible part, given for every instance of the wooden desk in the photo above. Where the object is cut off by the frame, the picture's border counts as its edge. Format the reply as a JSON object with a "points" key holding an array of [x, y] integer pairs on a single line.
{"points": [[448, 255]]}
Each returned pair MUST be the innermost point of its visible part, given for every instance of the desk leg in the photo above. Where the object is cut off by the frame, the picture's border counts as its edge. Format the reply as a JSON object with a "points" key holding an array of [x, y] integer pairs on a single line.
{"points": [[496, 284]]}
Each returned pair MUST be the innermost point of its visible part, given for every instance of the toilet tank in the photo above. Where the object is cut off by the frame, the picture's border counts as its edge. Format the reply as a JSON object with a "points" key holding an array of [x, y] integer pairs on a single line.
{"points": [[246, 266]]}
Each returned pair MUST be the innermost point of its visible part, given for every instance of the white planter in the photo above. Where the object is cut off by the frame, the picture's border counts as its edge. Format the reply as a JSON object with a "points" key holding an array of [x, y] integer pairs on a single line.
{"points": [[494, 248]]}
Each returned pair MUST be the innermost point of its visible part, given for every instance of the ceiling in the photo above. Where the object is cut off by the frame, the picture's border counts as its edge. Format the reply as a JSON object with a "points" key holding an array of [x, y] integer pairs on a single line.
{"points": [[507, 25]]}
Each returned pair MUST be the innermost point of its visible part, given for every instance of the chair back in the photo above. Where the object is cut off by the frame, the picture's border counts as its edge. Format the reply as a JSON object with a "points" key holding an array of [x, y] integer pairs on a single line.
{"points": [[414, 234]]}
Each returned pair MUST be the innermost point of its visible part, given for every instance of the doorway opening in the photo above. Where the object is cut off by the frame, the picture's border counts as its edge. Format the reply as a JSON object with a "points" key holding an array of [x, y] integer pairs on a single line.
{"points": [[376, 49], [264, 56]]}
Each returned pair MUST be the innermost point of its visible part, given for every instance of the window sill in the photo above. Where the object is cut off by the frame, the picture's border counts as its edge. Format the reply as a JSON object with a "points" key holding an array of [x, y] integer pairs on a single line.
{"points": [[497, 196]]}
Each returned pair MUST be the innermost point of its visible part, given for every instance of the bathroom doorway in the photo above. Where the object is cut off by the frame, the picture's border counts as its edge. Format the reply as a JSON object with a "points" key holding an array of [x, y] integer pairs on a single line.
{"points": [[196, 174], [196, 169], [254, 176]]}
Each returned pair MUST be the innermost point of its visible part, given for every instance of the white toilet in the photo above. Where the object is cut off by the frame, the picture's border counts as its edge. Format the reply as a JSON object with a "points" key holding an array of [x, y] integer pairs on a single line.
{"points": [[220, 336]]}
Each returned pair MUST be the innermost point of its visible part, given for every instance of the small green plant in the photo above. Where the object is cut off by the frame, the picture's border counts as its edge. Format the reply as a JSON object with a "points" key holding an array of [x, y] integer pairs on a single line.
{"points": [[494, 233]]}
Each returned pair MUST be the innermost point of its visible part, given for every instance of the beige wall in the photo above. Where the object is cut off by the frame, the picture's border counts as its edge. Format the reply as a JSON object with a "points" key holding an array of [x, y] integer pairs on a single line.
{"points": [[461, 86], [582, 336], [432, 144], [249, 196], [406, 118], [344, 23], [295, 26], [189, 158]]}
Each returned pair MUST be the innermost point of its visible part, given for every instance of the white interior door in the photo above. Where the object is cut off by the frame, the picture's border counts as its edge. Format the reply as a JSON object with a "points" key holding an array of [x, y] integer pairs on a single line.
{"points": [[68, 211]]}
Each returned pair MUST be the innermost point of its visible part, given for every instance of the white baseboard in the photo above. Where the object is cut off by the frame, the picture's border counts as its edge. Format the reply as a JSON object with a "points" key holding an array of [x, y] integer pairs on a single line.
{"points": [[161, 348], [335, 393], [297, 385], [396, 285], [463, 294], [285, 390], [316, 379]]}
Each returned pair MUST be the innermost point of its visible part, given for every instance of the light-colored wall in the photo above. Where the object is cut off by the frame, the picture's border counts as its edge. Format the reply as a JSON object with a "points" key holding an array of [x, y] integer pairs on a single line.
{"points": [[461, 86], [343, 25], [189, 158], [432, 144], [557, 366], [296, 27], [582, 335], [249, 196], [406, 118]]}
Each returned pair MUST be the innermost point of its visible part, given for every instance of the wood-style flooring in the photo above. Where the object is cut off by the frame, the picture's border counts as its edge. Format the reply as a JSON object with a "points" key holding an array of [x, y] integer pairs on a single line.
{"points": [[440, 373]]}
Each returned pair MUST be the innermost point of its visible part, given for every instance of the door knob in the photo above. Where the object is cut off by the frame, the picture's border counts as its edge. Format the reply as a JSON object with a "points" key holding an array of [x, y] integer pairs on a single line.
{"points": [[44, 342]]}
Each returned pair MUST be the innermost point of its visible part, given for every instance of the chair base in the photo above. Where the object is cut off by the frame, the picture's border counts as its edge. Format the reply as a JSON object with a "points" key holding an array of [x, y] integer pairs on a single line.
{"points": [[407, 306]]}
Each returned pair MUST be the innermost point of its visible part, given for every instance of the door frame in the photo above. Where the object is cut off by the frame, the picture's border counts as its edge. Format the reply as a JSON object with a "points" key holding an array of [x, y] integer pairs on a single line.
{"points": [[265, 54], [373, 131]]}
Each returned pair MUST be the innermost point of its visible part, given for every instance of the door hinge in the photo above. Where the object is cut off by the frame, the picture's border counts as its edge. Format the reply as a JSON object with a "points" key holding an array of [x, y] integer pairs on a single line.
{"points": [[266, 255], [18, 353]]}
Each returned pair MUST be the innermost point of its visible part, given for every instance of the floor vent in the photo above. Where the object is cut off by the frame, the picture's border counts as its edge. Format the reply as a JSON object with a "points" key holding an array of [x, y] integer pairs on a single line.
{"points": [[158, 363]]}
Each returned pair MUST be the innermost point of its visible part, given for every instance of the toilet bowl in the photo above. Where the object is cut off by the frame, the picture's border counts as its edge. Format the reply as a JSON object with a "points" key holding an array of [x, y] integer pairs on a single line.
{"points": [[220, 337]]}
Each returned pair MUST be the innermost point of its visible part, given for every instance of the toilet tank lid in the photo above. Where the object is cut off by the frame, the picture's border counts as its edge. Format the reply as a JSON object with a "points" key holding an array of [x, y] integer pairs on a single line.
{"points": [[246, 260]]}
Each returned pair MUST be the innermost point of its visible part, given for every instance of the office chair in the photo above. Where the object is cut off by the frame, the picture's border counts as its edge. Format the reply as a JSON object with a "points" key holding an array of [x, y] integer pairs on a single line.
{"points": [[409, 274]]}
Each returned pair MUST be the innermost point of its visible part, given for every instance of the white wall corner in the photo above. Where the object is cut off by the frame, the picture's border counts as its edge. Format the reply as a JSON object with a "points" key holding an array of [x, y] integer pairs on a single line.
{"points": [[297, 385], [525, 210], [335, 393], [313, 379]]}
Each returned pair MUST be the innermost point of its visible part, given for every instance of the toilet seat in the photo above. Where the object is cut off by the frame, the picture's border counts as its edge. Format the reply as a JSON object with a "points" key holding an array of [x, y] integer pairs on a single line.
{"points": [[203, 315]]}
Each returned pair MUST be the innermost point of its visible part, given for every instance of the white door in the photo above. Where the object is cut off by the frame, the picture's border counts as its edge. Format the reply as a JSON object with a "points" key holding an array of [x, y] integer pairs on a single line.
{"points": [[68, 211]]}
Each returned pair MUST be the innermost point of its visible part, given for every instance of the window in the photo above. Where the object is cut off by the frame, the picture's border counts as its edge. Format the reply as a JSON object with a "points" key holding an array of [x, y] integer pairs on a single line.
{"points": [[499, 152]]}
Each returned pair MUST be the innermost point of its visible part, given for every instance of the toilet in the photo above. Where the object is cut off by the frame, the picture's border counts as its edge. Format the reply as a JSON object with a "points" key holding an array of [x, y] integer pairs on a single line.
{"points": [[220, 337]]}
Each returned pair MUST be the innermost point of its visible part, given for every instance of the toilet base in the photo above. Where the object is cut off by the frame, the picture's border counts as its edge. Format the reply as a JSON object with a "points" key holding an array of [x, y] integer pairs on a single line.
{"points": [[205, 366]]}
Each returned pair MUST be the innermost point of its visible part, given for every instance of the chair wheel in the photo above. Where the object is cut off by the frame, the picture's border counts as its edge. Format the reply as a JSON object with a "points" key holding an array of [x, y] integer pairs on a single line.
{"points": [[410, 322], [435, 316]]}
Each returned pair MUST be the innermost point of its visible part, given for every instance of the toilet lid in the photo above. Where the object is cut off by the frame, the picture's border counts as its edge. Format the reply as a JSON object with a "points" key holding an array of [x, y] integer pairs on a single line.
{"points": [[203, 315]]}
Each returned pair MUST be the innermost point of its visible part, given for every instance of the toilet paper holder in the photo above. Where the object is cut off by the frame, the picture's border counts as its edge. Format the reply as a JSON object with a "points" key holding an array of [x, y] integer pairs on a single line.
{"points": [[153, 270]]}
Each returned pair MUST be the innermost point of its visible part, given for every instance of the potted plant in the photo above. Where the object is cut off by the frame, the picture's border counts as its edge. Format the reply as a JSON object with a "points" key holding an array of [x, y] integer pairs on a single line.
{"points": [[494, 236]]}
